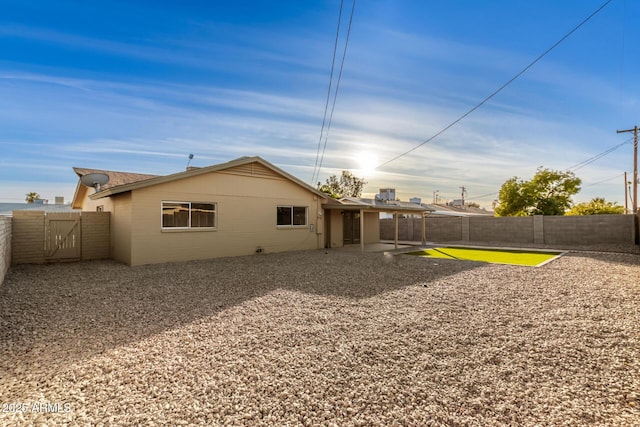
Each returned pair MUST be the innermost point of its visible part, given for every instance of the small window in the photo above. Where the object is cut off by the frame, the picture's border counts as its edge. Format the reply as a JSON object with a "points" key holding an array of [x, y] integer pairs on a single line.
{"points": [[284, 215], [292, 215], [299, 215], [188, 215]]}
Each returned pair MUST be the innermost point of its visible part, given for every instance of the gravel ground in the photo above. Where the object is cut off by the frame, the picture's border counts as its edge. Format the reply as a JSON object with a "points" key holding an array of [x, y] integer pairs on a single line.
{"points": [[329, 339]]}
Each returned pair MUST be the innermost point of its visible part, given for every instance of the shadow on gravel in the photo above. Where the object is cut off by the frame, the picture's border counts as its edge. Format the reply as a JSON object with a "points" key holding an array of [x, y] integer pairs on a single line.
{"points": [[611, 258], [60, 313]]}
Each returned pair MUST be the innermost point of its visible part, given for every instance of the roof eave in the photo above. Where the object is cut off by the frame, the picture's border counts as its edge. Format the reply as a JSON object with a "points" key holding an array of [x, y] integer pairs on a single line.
{"points": [[387, 209], [200, 171]]}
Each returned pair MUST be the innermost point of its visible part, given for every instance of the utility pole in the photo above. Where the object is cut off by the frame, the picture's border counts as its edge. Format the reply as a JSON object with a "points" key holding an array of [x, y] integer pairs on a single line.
{"points": [[626, 196], [464, 190], [635, 166]]}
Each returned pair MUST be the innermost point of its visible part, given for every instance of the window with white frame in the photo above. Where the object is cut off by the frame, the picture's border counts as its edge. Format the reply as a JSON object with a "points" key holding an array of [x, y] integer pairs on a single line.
{"points": [[291, 216], [185, 215]]}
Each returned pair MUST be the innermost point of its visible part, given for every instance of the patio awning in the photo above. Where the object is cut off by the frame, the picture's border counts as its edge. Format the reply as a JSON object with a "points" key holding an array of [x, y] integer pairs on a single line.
{"points": [[375, 205], [394, 207]]}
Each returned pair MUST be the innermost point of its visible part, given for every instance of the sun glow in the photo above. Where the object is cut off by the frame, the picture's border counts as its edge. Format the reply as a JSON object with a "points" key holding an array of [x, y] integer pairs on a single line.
{"points": [[366, 162]]}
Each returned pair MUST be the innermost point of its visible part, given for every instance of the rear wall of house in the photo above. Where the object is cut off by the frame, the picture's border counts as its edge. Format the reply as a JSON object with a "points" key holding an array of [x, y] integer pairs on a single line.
{"points": [[246, 208], [121, 226], [371, 233], [336, 229]]}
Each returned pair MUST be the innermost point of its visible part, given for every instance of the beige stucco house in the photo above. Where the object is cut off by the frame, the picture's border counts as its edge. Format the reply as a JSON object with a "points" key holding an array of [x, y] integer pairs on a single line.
{"points": [[241, 207]]}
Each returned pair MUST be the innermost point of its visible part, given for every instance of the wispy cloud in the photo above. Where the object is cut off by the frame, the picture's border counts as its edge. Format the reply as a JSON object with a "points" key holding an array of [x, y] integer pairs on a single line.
{"points": [[226, 89]]}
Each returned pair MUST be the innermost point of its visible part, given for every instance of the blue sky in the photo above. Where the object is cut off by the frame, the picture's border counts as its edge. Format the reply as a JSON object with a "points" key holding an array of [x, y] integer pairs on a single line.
{"points": [[138, 86]]}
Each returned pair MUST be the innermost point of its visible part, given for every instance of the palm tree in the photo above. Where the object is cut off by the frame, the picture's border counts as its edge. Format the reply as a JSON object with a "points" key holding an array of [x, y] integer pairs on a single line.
{"points": [[32, 197]]}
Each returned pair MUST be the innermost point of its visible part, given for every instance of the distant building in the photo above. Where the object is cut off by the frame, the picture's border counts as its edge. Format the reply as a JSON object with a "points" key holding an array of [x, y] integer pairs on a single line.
{"points": [[6, 209], [386, 194]]}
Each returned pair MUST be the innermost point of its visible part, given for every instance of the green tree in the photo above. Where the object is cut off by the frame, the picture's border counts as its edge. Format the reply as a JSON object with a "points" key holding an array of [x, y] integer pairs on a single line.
{"points": [[346, 186], [547, 193], [597, 206], [32, 197]]}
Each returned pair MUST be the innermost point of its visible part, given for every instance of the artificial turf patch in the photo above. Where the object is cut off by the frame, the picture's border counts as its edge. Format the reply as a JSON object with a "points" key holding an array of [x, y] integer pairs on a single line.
{"points": [[497, 256]]}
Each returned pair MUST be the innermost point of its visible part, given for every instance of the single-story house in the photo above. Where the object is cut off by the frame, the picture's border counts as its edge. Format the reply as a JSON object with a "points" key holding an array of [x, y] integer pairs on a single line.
{"points": [[241, 207]]}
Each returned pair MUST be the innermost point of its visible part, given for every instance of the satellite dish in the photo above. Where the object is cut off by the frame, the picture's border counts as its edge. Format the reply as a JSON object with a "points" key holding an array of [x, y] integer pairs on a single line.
{"points": [[94, 180]]}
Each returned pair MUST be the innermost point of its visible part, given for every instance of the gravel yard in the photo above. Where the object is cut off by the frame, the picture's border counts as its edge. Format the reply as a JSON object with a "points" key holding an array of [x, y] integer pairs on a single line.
{"points": [[329, 339]]}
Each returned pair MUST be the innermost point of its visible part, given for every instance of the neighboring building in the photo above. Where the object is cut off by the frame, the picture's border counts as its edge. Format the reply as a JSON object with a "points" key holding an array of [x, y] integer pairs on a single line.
{"points": [[449, 210], [6, 209]]}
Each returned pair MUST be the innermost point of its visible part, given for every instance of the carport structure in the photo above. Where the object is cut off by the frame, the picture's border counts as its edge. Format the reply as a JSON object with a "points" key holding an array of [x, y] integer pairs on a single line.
{"points": [[357, 221]]}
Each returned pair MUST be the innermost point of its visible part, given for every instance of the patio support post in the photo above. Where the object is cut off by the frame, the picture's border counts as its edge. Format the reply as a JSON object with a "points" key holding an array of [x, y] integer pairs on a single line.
{"points": [[395, 217], [362, 230]]}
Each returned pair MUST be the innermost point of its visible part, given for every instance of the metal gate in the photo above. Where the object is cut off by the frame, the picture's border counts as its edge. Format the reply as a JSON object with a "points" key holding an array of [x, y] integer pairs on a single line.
{"points": [[62, 237]]}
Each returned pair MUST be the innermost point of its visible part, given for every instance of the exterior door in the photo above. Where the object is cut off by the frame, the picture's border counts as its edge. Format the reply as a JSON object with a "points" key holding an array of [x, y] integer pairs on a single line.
{"points": [[351, 228]]}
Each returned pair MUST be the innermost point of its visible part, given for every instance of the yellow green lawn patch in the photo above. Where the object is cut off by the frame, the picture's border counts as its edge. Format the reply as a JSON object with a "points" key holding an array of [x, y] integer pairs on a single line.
{"points": [[497, 256]]}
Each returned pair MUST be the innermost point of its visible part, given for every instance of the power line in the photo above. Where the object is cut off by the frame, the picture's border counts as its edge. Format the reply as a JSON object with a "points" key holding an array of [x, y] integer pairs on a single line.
{"points": [[605, 180], [482, 196], [326, 104], [579, 166], [598, 156], [335, 96], [485, 100]]}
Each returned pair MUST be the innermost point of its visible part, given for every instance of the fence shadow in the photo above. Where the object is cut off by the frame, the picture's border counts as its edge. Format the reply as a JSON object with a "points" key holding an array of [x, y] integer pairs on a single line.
{"points": [[57, 314]]}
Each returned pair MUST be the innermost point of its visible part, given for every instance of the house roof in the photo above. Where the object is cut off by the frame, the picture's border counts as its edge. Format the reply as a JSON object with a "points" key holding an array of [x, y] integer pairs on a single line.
{"points": [[355, 203], [116, 178], [445, 210], [122, 182]]}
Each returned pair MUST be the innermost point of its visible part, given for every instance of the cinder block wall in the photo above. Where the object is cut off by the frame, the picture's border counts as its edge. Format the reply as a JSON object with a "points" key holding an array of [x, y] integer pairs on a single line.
{"points": [[501, 229], [27, 239], [548, 230], [448, 229], [586, 230], [27, 236], [444, 229], [5, 246]]}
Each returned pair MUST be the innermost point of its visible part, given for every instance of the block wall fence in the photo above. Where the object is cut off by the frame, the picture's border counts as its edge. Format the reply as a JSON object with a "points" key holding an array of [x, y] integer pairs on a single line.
{"points": [[531, 230], [28, 235], [5, 246]]}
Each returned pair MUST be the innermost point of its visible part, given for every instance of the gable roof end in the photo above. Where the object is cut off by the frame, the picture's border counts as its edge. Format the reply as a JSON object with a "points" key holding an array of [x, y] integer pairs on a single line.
{"points": [[155, 180], [116, 178]]}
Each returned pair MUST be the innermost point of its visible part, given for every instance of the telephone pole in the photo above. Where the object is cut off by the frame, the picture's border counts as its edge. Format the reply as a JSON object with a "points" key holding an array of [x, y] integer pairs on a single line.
{"points": [[635, 166], [626, 195], [464, 190]]}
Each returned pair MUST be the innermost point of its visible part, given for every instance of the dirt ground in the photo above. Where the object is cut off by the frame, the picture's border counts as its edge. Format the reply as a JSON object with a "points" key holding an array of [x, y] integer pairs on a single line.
{"points": [[322, 338]]}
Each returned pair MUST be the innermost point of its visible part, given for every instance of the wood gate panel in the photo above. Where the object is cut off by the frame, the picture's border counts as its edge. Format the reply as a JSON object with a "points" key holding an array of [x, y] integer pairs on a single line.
{"points": [[62, 237]]}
